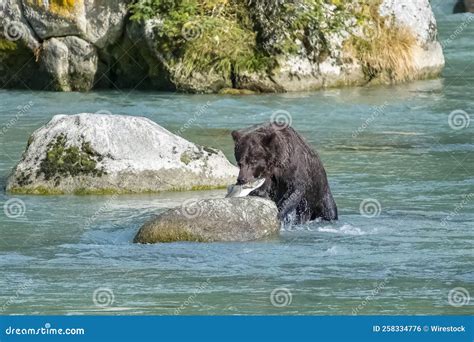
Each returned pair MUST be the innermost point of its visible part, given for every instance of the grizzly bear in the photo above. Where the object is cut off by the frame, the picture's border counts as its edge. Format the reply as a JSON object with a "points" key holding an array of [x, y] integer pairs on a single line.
{"points": [[295, 178]]}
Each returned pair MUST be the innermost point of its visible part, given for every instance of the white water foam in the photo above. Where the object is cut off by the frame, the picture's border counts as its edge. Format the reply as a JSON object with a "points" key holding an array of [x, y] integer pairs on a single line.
{"points": [[345, 229]]}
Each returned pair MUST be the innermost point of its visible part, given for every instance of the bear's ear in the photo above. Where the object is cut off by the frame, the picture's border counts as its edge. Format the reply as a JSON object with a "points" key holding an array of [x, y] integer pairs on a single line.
{"points": [[236, 135], [269, 139]]}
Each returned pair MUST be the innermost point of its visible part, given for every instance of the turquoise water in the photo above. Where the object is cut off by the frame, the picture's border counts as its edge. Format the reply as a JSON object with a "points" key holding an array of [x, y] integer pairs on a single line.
{"points": [[391, 147]]}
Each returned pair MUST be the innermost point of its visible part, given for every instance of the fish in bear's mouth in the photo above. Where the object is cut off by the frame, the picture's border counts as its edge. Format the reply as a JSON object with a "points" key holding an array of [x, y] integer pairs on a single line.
{"points": [[243, 190]]}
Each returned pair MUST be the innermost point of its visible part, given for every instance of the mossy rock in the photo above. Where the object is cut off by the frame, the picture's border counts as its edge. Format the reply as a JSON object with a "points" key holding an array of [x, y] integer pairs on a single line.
{"points": [[113, 154], [234, 91], [63, 161], [213, 220]]}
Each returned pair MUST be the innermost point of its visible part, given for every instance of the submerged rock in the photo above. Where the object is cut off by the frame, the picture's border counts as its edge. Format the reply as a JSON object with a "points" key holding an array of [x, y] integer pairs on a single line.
{"points": [[100, 153], [223, 219]]}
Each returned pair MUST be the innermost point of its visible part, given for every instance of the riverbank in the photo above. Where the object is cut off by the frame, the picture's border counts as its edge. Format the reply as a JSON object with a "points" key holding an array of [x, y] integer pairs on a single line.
{"points": [[204, 46]]}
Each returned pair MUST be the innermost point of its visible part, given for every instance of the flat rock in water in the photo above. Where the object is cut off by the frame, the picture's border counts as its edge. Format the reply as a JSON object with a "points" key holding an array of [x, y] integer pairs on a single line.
{"points": [[210, 220], [104, 153]]}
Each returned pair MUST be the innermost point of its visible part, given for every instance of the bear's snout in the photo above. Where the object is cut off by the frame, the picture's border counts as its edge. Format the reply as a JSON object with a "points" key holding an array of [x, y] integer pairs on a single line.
{"points": [[242, 180], [245, 175]]}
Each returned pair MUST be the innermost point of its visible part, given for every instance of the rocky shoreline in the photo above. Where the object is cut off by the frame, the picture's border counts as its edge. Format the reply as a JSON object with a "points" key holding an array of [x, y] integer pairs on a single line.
{"points": [[206, 47]]}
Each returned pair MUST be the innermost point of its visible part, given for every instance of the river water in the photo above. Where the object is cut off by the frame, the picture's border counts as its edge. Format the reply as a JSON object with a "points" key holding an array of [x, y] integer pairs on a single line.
{"points": [[390, 153]]}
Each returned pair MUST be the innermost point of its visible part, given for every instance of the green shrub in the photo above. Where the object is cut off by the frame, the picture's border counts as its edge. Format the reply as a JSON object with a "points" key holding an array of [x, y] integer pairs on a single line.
{"points": [[204, 35]]}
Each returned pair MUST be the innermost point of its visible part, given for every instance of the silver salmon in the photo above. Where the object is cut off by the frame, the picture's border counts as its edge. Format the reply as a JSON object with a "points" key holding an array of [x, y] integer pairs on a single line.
{"points": [[243, 190]]}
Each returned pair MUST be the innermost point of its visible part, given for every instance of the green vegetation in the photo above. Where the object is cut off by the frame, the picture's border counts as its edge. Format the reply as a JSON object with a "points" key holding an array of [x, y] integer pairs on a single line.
{"points": [[308, 24], [222, 36], [42, 190], [185, 158], [8, 50], [6, 45], [63, 161], [230, 37], [18, 62], [170, 234], [233, 91], [198, 188], [38, 190], [209, 36]]}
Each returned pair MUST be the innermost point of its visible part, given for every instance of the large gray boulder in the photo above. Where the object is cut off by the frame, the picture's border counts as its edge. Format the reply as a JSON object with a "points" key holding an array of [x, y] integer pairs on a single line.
{"points": [[18, 47], [14, 26], [56, 44], [299, 72], [225, 219], [99, 22], [104, 153], [71, 62]]}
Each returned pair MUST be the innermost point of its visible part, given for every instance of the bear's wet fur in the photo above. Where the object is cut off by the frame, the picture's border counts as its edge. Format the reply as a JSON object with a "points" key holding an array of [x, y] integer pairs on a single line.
{"points": [[295, 178]]}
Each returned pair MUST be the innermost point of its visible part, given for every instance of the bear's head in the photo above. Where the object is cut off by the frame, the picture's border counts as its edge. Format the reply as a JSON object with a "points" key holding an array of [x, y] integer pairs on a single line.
{"points": [[256, 152]]}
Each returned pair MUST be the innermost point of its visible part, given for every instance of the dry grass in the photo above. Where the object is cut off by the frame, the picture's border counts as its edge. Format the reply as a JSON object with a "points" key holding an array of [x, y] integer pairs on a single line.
{"points": [[386, 51]]}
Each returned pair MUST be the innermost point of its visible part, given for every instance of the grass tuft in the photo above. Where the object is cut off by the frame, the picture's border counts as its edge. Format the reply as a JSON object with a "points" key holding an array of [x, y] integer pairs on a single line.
{"points": [[207, 36], [385, 50]]}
